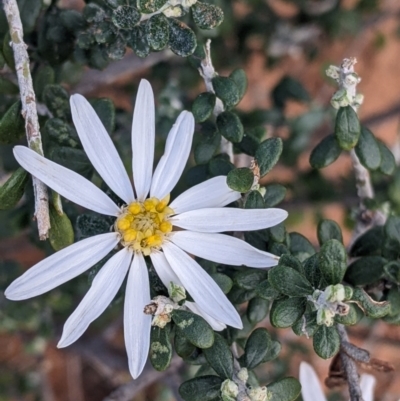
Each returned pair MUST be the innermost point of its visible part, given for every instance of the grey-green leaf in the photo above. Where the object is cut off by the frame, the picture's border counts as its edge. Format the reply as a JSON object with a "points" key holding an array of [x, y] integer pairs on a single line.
{"points": [[325, 153], [12, 125], [328, 229], [226, 89], [13, 189], [289, 282], [182, 40], [194, 328], [347, 128], [333, 261], [160, 347], [388, 162], [268, 153], [367, 150], [287, 389], [240, 179], [286, 311], [220, 357], [230, 126], [125, 17], [326, 341], [275, 194], [61, 233], [203, 106], [256, 347], [204, 388], [207, 16], [157, 29], [365, 270], [240, 78]]}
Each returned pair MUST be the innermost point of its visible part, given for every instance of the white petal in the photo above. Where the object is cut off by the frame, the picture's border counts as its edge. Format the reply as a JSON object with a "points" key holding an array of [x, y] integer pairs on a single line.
{"points": [[99, 148], [61, 267], [203, 289], [143, 134], [163, 269], [177, 150], [367, 384], [310, 387], [215, 324], [137, 324], [211, 193], [222, 248], [103, 290], [228, 219], [66, 182]]}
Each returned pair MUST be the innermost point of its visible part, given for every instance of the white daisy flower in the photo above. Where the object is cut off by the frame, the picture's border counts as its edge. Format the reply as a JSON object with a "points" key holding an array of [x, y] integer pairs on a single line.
{"points": [[144, 227], [311, 389]]}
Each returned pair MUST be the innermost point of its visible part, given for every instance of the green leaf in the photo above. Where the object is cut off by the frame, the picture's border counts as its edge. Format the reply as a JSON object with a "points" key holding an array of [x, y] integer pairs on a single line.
{"points": [[61, 233], [29, 11], [224, 282], [74, 159], [56, 99], [266, 291], [150, 6], [388, 162], [72, 20], [8, 51], [392, 237], [206, 148], [326, 341], [286, 311], [333, 261], [365, 270], [371, 308], [220, 357], [347, 128], [274, 350], [307, 325], [369, 243], [183, 347], [219, 166], [256, 348], [392, 270], [207, 16], [240, 78], [88, 225], [257, 309], [182, 40], [254, 200], [393, 297], [325, 153], [275, 194], [157, 29], [160, 347], [125, 17], [7, 87], [106, 111], [300, 246], [367, 150], [43, 76], [249, 279], [12, 125], [203, 106], [194, 328], [230, 126], [204, 388], [313, 272], [289, 282], [287, 389], [13, 189], [226, 89], [240, 179], [267, 154], [289, 88], [61, 133], [138, 41], [328, 229], [290, 261]]}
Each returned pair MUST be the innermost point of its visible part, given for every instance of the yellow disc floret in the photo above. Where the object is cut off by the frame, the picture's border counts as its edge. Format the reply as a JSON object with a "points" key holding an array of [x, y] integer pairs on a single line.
{"points": [[144, 225]]}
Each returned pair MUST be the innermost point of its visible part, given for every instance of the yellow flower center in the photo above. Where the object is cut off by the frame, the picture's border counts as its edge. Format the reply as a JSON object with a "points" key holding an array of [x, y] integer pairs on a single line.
{"points": [[144, 225]]}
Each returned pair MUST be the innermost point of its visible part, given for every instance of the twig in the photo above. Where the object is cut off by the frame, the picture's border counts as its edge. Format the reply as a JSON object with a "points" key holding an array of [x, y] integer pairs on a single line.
{"points": [[350, 368], [347, 81], [28, 110], [207, 72]]}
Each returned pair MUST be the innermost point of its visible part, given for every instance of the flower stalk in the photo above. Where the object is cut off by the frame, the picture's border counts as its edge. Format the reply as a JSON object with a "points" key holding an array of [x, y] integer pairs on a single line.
{"points": [[29, 111]]}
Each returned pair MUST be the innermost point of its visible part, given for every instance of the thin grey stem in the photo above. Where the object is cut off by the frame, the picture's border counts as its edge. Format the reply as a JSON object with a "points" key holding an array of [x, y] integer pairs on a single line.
{"points": [[350, 367], [29, 111]]}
